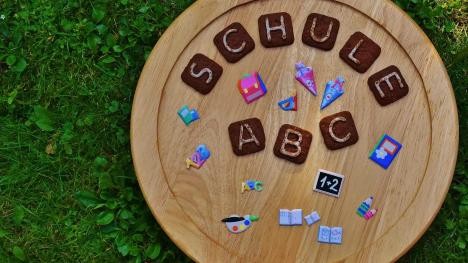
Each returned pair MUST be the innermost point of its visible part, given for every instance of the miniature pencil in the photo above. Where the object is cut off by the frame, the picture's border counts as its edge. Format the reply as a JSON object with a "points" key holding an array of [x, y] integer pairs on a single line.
{"points": [[365, 206]]}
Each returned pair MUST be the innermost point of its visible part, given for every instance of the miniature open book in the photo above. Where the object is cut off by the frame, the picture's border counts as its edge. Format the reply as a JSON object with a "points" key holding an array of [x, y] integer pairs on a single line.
{"points": [[290, 217], [330, 235], [312, 218]]}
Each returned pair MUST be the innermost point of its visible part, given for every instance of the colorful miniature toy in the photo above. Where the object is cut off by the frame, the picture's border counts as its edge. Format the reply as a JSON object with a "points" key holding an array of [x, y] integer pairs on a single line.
{"points": [[330, 235], [289, 104], [305, 75], [333, 90], [312, 218], [252, 87], [385, 151], [251, 185], [188, 115], [237, 224], [199, 157]]}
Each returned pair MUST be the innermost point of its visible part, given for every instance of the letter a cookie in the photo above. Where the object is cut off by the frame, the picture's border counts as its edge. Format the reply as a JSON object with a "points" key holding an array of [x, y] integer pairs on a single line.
{"points": [[247, 136]]}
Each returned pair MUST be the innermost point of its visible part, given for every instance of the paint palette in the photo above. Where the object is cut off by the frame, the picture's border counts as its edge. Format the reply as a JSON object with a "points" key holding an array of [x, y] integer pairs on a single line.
{"points": [[190, 203]]}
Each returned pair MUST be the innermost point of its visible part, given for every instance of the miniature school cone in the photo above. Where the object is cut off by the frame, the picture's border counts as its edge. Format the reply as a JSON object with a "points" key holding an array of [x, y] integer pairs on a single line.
{"points": [[333, 90], [305, 75]]}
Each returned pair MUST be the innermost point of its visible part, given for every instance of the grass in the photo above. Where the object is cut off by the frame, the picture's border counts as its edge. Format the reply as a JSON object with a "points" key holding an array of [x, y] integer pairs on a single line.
{"points": [[68, 70]]}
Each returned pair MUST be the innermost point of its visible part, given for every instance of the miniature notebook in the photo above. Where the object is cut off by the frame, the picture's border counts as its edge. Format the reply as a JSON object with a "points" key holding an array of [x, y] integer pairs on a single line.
{"points": [[290, 217], [330, 235], [312, 218]]}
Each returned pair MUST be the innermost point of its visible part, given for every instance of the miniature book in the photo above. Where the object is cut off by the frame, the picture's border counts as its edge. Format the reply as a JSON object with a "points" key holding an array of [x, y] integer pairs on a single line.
{"points": [[290, 217], [312, 218], [330, 235]]}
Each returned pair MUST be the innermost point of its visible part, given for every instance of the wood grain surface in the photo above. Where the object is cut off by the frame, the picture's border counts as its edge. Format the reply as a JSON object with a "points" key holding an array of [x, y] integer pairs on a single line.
{"points": [[189, 204]]}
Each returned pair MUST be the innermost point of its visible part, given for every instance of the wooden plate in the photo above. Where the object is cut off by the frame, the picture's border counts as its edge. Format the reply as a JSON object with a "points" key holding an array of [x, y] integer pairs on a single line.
{"points": [[189, 204]]}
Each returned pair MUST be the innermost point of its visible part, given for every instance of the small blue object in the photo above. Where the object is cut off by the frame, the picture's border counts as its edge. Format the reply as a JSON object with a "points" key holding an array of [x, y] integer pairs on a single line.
{"points": [[187, 115], [251, 184], [287, 104], [202, 149], [385, 151], [333, 90]]}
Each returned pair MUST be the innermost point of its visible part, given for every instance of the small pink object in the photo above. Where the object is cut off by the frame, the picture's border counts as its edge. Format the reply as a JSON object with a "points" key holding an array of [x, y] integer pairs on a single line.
{"points": [[305, 75], [370, 214], [252, 87]]}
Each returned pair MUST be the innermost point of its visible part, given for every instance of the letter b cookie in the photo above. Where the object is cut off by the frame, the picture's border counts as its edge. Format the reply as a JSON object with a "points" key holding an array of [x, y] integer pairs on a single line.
{"points": [[292, 144]]}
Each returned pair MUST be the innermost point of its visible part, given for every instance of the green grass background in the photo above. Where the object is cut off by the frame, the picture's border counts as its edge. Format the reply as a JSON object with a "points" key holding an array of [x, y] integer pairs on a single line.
{"points": [[68, 70]]}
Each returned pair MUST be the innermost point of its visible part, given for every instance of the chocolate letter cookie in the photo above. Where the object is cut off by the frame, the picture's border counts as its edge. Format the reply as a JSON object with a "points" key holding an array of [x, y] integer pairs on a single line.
{"points": [[338, 130], [292, 144], [320, 31], [276, 30], [234, 42], [388, 85], [202, 73], [360, 52], [247, 136]]}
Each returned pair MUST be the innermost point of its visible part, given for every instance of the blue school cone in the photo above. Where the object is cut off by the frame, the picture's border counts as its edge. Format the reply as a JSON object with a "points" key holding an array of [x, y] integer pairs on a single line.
{"points": [[333, 90]]}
